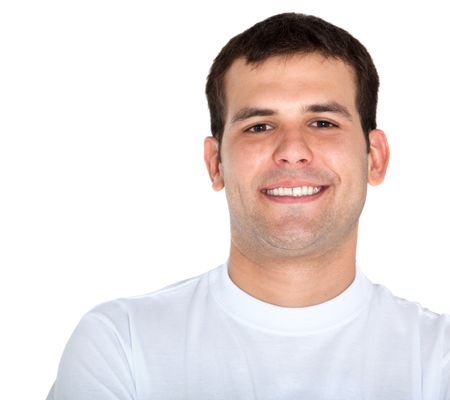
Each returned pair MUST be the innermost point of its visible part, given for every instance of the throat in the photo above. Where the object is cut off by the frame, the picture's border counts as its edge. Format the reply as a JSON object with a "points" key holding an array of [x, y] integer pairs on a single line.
{"points": [[300, 284]]}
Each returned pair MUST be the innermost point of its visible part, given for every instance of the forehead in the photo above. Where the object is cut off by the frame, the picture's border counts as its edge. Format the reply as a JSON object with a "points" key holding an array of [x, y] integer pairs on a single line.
{"points": [[297, 78]]}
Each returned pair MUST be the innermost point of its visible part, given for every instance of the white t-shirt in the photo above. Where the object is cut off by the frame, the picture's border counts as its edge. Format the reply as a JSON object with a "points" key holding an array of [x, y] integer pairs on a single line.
{"points": [[205, 339]]}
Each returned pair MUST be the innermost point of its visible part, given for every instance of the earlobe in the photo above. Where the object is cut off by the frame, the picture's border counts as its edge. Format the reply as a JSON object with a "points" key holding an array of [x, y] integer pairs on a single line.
{"points": [[378, 157], [211, 157]]}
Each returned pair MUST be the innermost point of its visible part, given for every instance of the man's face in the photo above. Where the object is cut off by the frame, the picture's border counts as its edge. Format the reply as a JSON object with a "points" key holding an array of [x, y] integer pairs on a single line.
{"points": [[294, 160]]}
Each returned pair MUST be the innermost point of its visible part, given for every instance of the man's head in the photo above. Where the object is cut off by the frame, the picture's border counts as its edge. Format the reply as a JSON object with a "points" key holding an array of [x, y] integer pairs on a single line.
{"points": [[289, 141], [289, 34]]}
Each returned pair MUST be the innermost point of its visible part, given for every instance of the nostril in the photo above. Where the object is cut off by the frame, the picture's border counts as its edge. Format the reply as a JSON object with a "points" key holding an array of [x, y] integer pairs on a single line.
{"points": [[300, 161]]}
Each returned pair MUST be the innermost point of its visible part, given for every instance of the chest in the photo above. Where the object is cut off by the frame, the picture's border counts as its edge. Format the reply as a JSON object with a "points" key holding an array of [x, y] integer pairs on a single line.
{"points": [[229, 361]]}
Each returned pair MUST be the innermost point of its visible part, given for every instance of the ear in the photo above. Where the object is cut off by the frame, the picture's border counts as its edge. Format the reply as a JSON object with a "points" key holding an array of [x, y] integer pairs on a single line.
{"points": [[378, 157], [211, 156]]}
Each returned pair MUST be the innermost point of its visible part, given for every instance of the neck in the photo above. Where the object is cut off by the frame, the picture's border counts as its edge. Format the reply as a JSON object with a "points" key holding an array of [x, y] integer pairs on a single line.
{"points": [[299, 282]]}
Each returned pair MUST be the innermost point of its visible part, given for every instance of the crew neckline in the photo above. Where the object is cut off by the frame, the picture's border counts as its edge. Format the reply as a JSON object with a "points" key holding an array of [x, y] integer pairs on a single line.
{"points": [[290, 320]]}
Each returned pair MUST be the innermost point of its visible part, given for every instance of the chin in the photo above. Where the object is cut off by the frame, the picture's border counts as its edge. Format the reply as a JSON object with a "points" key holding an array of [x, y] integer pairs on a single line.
{"points": [[291, 242]]}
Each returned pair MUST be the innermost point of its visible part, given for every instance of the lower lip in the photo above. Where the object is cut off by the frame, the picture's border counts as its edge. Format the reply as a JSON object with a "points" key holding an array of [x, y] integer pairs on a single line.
{"points": [[294, 199]]}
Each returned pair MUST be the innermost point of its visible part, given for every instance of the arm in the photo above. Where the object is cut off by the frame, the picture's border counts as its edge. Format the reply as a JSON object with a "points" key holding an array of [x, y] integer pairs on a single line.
{"points": [[96, 364]]}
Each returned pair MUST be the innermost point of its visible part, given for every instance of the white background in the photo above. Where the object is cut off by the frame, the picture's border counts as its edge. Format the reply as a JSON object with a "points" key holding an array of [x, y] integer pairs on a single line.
{"points": [[103, 192]]}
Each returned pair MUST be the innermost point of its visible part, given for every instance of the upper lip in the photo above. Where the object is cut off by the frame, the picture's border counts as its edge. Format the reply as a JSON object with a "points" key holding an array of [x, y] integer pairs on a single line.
{"points": [[290, 183]]}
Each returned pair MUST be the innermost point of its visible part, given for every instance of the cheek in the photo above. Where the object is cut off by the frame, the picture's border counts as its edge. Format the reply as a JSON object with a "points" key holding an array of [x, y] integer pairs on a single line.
{"points": [[243, 161], [347, 161]]}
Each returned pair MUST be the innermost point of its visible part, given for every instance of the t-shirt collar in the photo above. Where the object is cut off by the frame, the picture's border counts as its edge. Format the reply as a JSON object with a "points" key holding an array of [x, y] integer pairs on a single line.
{"points": [[303, 320]]}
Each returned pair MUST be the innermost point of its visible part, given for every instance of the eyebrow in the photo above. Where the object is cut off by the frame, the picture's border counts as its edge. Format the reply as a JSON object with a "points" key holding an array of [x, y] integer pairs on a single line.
{"points": [[249, 112], [331, 107]]}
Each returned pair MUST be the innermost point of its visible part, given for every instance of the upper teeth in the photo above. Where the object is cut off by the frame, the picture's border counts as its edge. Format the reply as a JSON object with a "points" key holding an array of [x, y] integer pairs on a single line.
{"points": [[295, 191]]}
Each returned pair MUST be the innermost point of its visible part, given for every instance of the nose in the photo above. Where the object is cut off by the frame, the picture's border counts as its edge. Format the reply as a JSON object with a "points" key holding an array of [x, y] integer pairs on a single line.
{"points": [[292, 148]]}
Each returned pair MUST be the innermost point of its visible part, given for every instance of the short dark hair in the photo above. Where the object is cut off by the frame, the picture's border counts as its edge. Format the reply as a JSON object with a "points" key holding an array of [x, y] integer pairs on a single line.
{"points": [[288, 34]]}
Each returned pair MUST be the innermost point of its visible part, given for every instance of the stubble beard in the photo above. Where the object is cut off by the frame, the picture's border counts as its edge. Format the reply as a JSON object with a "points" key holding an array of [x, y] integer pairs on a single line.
{"points": [[295, 237]]}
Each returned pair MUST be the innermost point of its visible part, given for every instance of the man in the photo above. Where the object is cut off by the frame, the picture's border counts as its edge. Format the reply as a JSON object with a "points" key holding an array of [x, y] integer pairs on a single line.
{"points": [[290, 315]]}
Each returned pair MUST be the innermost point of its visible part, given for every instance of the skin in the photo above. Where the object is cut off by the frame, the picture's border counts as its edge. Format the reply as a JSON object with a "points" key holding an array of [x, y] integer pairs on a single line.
{"points": [[292, 121]]}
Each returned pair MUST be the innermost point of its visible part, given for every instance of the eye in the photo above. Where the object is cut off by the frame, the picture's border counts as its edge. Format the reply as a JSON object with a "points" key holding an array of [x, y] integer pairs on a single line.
{"points": [[259, 128], [323, 124]]}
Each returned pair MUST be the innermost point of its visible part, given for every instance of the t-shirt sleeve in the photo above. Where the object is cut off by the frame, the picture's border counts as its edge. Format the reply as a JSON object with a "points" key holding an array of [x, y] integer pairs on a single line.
{"points": [[445, 386], [96, 363]]}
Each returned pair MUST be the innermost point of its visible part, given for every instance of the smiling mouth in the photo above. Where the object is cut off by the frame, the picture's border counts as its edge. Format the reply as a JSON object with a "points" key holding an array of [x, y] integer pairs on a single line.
{"points": [[299, 191]]}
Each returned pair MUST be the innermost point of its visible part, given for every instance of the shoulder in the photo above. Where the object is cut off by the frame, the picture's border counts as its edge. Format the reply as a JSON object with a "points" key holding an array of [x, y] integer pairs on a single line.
{"points": [[116, 326], [405, 309], [432, 330], [127, 313]]}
